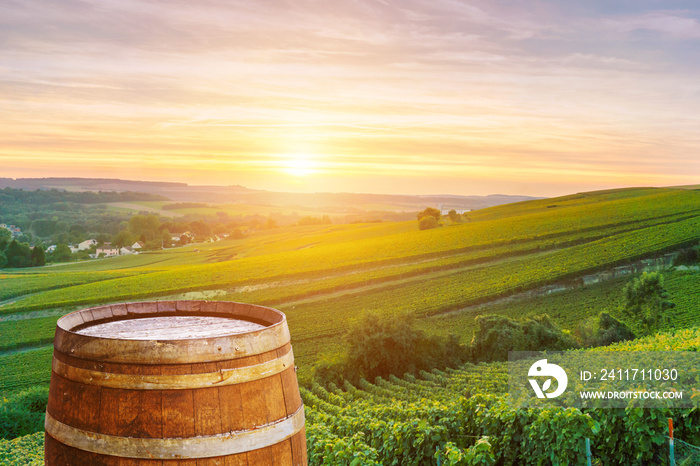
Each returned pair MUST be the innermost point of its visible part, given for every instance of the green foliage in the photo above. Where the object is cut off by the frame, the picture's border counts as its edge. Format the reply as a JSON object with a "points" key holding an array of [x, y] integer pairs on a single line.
{"points": [[611, 330], [430, 212], [24, 369], [5, 238], [646, 302], [144, 226], [380, 345], [123, 238], [23, 413], [478, 454], [38, 257], [61, 253], [454, 216], [23, 451], [602, 330], [496, 335], [18, 254], [426, 223]]}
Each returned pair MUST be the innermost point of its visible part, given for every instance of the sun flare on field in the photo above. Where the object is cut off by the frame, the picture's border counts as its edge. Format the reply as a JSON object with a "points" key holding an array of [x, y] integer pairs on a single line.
{"points": [[298, 165]]}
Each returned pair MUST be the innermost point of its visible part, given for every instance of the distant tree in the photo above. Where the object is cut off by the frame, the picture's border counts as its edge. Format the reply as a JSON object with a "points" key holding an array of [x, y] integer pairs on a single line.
{"points": [[454, 216], [102, 238], [37, 256], [77, 229], [153, 245], [430, 212], [61, 253], [426, 223], [44, 227], [3, 259], [200, 228], [145, 226], [270, 224], [25, 237], [123, 238], [236, 233], [166, 239], [5, 238], [646, 302], [18, 254]]}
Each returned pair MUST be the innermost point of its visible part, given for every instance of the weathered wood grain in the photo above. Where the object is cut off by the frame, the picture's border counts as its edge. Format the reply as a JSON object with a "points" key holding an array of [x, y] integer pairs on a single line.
{"points": [[191, 398]]}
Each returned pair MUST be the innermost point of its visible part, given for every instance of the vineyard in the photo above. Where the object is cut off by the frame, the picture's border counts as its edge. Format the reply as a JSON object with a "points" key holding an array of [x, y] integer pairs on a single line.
{"points": [[462, 417], [325, 277]]}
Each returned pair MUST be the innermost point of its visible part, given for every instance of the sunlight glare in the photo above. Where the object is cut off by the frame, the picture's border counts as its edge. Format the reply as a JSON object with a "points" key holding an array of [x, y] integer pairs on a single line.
{"points": [[298, 165]]}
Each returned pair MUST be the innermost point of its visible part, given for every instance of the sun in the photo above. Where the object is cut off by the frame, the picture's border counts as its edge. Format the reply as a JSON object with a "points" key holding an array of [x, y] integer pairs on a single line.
{"points": [[298, 166]]}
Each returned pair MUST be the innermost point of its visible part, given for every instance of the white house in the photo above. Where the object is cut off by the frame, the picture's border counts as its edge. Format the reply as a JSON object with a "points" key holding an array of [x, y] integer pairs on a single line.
{"points": [[459, 211], [126, 250], [136, 245], [83, 246], [108, 250], [87, 244]]}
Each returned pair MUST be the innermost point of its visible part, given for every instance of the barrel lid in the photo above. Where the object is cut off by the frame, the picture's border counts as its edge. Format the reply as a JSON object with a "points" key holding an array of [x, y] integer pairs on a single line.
{"points": [[171, 332]]}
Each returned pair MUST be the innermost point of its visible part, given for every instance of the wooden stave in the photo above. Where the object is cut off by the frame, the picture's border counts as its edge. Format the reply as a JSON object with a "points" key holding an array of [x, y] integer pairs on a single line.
{"points": [[287, 391]]}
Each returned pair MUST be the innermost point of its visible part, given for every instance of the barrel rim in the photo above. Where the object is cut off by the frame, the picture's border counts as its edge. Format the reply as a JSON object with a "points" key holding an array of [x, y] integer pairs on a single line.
{"points": [[171, 351], [158, 312]]}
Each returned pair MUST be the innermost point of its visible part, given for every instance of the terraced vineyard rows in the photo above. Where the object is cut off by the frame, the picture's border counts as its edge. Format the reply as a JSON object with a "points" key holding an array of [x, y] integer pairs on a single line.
{"points": [[25, 369], [443, 294], [449, 410]]}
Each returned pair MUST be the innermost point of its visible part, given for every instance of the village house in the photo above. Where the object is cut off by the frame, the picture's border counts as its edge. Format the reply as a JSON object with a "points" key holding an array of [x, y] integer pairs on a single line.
{"points": [[13, 229], [127, 250], [444, 211], [87, 244], [107, 249]]}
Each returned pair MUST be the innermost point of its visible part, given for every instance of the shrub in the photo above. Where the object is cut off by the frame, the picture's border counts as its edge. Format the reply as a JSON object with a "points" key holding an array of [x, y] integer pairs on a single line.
{"points": [[426, 223], [646, 302], [379, 346], [496, 335], [23, 412], [429, 212]]}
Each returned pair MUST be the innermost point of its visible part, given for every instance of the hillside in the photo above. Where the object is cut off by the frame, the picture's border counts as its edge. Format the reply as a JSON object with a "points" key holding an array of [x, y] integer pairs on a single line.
{"points": [[247, 196], [459, 414], [325, 276]]}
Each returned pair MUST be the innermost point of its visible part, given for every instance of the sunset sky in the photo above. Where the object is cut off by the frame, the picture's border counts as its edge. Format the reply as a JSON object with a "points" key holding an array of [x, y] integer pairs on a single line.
{"points": [[441, 96]]}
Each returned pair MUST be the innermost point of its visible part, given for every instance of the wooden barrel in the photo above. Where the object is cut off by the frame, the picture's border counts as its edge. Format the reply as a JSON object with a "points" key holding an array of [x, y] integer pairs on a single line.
{"points": [[174, 383]]}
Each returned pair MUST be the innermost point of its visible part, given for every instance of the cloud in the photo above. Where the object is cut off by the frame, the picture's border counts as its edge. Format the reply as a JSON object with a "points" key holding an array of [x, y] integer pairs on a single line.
{"points": [[678, 25], [470, 85]]}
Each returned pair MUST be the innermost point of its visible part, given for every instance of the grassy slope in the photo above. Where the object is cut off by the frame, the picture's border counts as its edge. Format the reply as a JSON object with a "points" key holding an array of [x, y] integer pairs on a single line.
{"points": [[324, 276]]}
